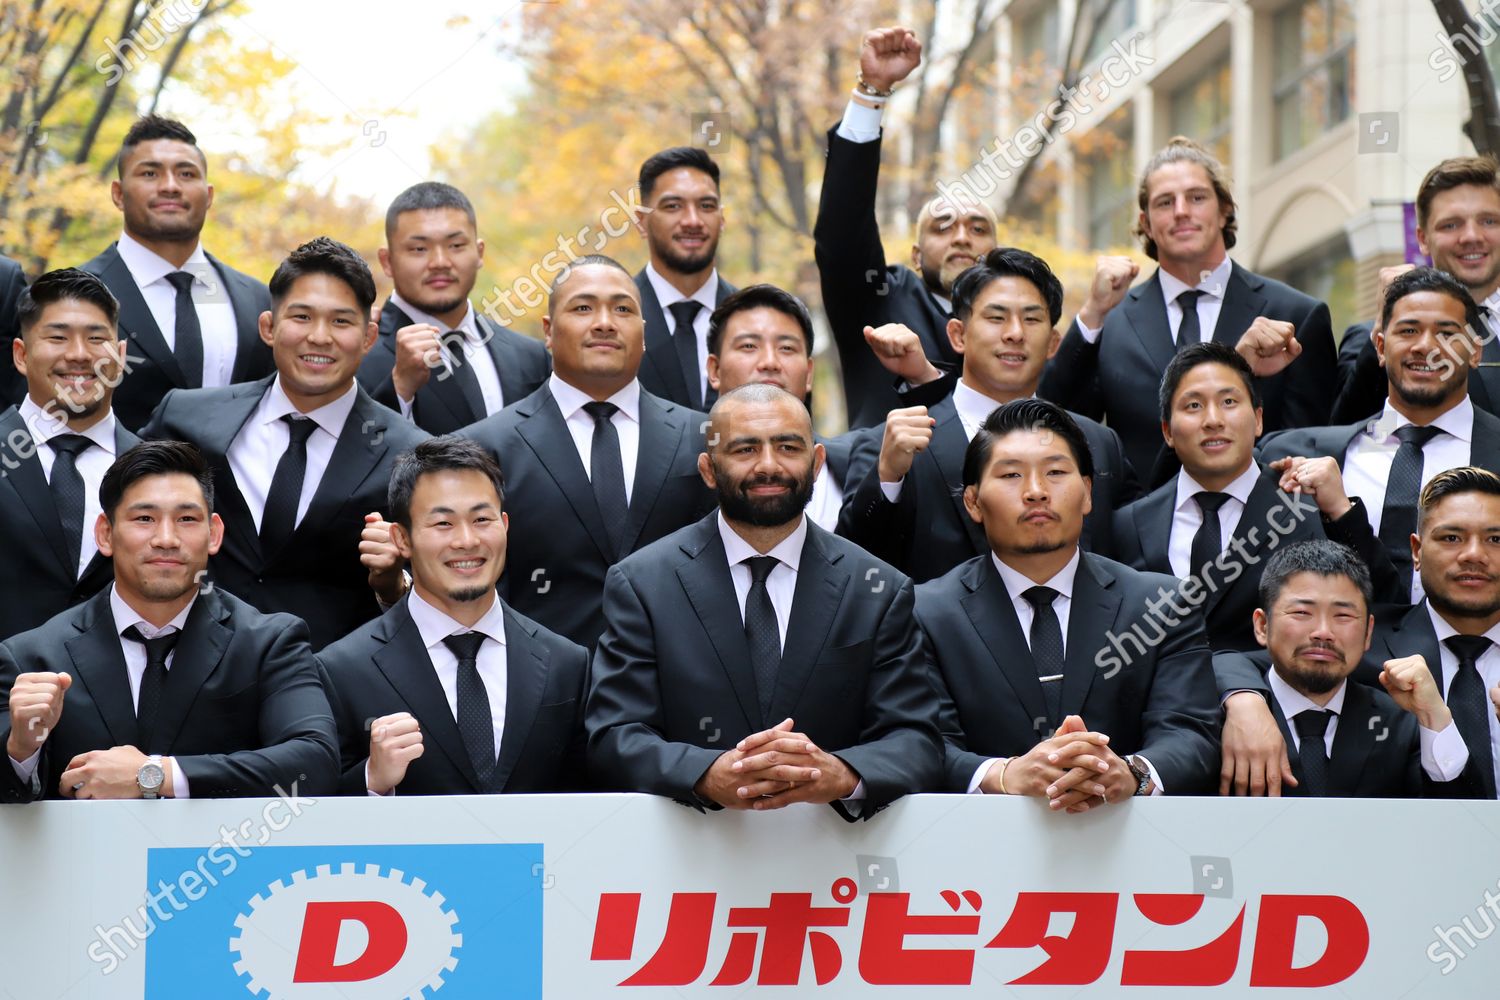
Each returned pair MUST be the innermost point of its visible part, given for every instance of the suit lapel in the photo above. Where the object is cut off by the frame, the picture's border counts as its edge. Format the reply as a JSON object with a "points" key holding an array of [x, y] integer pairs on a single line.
{"points": [[136, 322], [815, 603], [1484, 451], [1413, 635], [1147, 314], [246, 315], [661, 430], [206, 635], [947, 453], [30, 484], [405, 663], [99, 665], [1354, 741], [525, 681], [546, 433], [361, 446], [503, 354], [706, 582], [990, 611], [1094, 610], [1153, 520], [1242, 304], [660, 356], [1293, 756], [1263, 496], [219, 432]]}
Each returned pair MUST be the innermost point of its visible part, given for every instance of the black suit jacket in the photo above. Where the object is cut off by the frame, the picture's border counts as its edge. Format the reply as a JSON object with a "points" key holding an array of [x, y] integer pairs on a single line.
{"points": [[1116, 378], [927, 531], [317, 575], [12, 284], [41, 580], [1143, 532], [557, 550], [242, 710], [1363, 385], [152, 370], [1160, 703], [673, 687], [383, 668], [440, 407], [859, 288], [661, 372]]}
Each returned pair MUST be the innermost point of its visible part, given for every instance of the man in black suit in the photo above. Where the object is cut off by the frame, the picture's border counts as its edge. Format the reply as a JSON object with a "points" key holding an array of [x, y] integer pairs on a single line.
{"points": [[189, 320], [303, 456], [1222, 515], [595, 466], [157, 686], [1429, 422], [907, 508], [861, 291], [680, 285], [1061, 674], [764, 334], [438, 361], [1111, 361], [1458, 207], [56, 447], [798, 647], [495, 698], [12, 284]]}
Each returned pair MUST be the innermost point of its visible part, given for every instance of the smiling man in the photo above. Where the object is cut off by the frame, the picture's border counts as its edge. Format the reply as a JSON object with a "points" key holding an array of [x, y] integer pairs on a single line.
{"points": [[303, 455], [188, 319]]}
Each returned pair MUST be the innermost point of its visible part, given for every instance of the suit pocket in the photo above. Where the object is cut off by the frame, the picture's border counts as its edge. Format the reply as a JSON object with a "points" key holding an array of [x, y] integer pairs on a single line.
{"points": [[855, 652]]}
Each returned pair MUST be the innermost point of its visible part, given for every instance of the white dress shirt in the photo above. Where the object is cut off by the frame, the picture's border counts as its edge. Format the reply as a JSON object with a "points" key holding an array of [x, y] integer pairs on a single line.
{"points": [[973, 408], [1367, 460], [827, 499], [1444, 754], [135, 667], [91, 463], [627, 421], [216, 319], [1488, 665], [476, 355], [1210, 303], [258, 447], [860, 123], [706, 297], [1187, 517]]}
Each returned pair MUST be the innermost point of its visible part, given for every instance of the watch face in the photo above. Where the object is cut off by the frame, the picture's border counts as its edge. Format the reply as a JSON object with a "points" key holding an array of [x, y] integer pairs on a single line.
{"points": [[150, 776]]}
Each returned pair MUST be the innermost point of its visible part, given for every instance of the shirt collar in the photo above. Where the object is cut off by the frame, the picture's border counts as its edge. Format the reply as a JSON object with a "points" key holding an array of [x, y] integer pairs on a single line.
{"points": [[571, 399], [330, 416], [972, 405], [147, 267], [1240, 489], [667, 293], [1294, 702], [1212, 284], [1444, 630], [1492, 304], [468, 325], [1458, 421], [45, 426], [788, 550], [434, 626], [125, 616], [1017, 583]]}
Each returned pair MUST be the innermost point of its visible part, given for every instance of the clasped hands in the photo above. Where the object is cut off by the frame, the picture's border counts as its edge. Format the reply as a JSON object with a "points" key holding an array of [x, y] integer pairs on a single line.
{"points": [[1074, 770], [774, 768]]}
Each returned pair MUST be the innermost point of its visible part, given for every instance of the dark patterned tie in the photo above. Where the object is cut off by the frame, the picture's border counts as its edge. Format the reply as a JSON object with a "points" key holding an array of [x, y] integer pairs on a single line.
{"points": [[476, 724], [1047, 651], [1311, 725], [762, 632], [279, 519], [153, 681], [1398, 515], [189, 340], [462, 370], [68, 491], [607, 474], [685, 340], [1470, 705], [1189, 331], [1208, 540]]}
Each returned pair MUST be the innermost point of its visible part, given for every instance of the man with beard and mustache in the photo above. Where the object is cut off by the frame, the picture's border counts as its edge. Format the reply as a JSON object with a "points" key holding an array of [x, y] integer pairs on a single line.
{"points": [[1061, 674], [406, 687], [681, 221], [188, 320], [437, 361], [157, 687], [59, 442], [861, 291], [797, 645], [1429, 422]]}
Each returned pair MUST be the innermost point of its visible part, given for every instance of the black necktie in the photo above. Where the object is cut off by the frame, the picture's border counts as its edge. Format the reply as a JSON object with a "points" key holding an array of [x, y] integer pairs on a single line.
{"points": [[1398, 516], [189, 340], [476, 724], [685, 340], [1047, 651], [1470, 705], [279, 519], [1208, 540], [148, 701], [1189, 332], [463, 372], [607, 473], [67, 491], [762, 632], [1311, 725]]}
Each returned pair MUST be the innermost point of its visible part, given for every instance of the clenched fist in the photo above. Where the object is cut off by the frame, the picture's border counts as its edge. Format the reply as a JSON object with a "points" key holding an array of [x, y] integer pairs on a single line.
{"points": [[36, 703]]}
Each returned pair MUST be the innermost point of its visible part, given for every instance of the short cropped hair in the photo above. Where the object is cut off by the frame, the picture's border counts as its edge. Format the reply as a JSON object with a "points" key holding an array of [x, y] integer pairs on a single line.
{"points": [[154, 458], [425, 197], [672, 159], [64, 284], [1429, 279], [440, 454], [1452, 482], [1025, 415], [149, 128], [1007, 262], [759, 297], [1320, 557], [1208, 352], [324, 255]]}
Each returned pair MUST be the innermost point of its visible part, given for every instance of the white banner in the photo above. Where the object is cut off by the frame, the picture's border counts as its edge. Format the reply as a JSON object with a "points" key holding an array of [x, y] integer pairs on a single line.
{"points": [[581, 897]]}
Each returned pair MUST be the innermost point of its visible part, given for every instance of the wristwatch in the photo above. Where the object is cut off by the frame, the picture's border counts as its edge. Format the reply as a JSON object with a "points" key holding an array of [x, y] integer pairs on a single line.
{"points": [[1142, 773], [150, 777]]}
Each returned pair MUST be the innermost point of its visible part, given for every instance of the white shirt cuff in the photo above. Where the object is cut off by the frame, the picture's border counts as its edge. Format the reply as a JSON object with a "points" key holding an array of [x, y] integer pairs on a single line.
{"points": [[980, 774], [858, 794], [369, 790], [892, 491], [1444, 753], [26, 769], [406, 405], [859, 124], [1091, 336], [180, 789]]}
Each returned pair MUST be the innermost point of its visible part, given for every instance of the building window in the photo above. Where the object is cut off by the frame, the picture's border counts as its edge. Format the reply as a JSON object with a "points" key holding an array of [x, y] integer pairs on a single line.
{"points": [[1109, 180], [1200, 111], [1327, 274], [1314, 70], [1112, 18]]}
